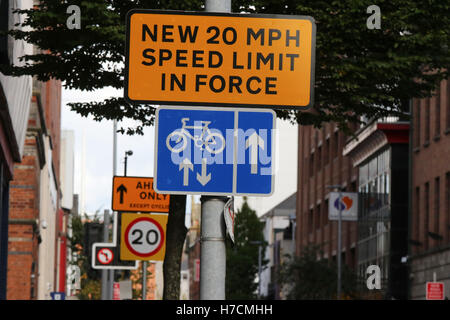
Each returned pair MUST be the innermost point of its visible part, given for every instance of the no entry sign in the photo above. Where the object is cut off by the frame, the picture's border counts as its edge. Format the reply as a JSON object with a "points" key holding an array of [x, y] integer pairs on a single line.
{"points": [[143, 237], [212, 59]]}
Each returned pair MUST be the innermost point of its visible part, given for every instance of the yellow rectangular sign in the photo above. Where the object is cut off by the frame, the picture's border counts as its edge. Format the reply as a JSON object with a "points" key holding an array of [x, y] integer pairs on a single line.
{"points": [[136, 194], [191, 58], [143, 236]]}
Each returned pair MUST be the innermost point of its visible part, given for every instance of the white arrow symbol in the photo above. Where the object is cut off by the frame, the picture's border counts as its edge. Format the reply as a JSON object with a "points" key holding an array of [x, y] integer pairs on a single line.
{"points": [[186, 165], [253, 142], [203, 179]]}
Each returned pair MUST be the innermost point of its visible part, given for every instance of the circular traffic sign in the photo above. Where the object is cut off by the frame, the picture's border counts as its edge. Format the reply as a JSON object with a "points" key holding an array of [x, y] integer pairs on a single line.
{"points": [[105, 256], [144, 237]]}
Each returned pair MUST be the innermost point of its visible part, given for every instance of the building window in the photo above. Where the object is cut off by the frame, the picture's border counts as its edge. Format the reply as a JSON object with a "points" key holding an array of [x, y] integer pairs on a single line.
{"points": [[447, 204], [427, 122], [319, 158], [319, 217], [325, 213], [426, 224], [336, 145], [436, 204], [417, 215], [311, 165], [437, 116], [305, 166], [417, 123], [311, 221], [326, 152], [448, 106]]}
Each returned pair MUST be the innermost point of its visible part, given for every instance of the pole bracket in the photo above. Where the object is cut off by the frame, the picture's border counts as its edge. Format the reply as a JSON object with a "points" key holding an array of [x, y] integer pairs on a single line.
{"points": [[211, 239]]}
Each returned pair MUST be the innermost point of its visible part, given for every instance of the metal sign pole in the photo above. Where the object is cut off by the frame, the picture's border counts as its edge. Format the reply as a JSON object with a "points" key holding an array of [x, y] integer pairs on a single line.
{"points": [[105, 239], [144, 280], [259, 269], [111, 272], [213, 251], [339, 249], [339, 236]]}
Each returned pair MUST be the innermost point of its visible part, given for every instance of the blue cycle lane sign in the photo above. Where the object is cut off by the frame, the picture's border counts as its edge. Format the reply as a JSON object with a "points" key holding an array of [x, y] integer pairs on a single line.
{"points": [[213, 151]]}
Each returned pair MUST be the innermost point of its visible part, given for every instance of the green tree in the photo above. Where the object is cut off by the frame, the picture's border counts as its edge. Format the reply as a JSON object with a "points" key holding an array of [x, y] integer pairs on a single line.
{"points": [[359, 71], [305, 277], [242, 257], [90, 278]]}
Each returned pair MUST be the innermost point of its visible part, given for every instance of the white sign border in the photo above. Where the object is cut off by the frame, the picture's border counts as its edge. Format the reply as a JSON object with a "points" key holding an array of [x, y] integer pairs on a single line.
{"points": [[234, 193], [109, 245]]}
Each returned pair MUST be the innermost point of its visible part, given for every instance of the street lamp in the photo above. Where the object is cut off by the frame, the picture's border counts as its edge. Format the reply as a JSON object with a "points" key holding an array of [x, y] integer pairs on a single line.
{"points": [[127, 153]]}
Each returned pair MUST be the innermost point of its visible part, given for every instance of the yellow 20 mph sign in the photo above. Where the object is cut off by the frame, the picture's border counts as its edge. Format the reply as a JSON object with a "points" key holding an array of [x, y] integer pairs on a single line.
{"points": [[143, 237]]}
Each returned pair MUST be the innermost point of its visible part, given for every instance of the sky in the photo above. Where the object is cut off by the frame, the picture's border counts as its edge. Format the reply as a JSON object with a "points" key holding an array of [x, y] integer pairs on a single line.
{"points": [[98, 149]]}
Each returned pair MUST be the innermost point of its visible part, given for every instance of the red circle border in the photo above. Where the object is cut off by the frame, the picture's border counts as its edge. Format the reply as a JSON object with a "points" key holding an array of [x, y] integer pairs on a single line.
{"points": [[112, 256]]}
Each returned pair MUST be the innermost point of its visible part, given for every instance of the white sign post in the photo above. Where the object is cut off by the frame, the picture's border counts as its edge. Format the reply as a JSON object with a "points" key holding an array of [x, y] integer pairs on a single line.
{"points": [[341, 206]]}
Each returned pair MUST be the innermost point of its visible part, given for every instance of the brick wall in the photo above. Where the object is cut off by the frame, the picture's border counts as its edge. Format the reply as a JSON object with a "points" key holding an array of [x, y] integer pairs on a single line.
{"points": [[23, 213], [431, 170], [430, 219]]}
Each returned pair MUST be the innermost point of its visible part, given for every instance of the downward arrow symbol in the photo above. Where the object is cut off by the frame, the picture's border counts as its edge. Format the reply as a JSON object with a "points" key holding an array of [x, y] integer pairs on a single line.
{"points": [[253, 142], [203, 179]]}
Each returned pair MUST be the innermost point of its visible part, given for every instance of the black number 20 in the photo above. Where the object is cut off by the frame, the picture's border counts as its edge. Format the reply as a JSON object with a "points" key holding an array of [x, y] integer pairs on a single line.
{"points": [[225, 35], [140, 234]]}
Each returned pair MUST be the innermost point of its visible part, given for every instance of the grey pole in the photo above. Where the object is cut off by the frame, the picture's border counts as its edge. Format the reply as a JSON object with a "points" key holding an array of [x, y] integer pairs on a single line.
{"points": [[259, 270], [105, 271], [218, 5], [339, 249], [213, 253], [339, 244], [144, 280], [111, 272]]}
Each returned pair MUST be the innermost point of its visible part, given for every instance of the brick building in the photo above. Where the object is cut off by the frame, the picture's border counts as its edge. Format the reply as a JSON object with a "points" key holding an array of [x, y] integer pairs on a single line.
{"points": [[36, 222], [15, 98], [24, 235], [321, 164], [430, 220]]}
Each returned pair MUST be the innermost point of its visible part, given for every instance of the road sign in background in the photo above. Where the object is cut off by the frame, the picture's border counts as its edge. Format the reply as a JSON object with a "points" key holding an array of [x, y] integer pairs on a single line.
{"points": [[213, 151], [136, 194], [143, 236], [58, 295], [190, 58], [348, 205], [435, 291], [106, 255]]}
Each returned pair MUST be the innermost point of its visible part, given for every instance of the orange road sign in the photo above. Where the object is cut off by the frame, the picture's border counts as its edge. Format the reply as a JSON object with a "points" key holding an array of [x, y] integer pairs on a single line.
{"points": [[143, 236], [220, 59], [136, 194]]}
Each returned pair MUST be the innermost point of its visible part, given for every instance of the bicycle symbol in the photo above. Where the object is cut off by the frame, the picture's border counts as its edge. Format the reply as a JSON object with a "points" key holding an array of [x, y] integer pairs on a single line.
{"points": [[204, 140]]}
